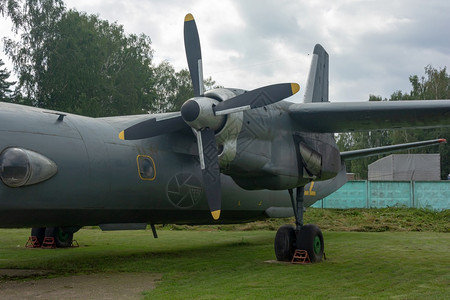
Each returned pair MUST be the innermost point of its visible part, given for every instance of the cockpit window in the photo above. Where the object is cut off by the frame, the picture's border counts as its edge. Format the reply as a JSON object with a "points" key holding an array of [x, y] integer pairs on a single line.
{"points": [[15, 167], [20, 167]]}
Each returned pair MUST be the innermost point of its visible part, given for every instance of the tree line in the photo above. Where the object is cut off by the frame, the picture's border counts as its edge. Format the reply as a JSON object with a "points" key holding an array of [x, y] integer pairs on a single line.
{"points": [[432, 86], [71, 61]]}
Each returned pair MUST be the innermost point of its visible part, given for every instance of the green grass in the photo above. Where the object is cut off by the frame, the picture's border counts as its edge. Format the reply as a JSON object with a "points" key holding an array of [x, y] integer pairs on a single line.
{"points": [[212, 264], [363, 220]]}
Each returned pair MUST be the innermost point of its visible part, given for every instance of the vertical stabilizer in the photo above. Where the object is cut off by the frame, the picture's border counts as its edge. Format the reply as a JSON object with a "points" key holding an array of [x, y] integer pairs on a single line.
{"points": [[317, 84]]}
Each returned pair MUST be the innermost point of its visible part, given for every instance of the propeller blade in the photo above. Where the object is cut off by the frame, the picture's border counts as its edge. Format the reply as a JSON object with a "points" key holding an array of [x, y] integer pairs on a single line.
{"points": [[193, 54], [209, 163], [257, 98], [153, 127]]}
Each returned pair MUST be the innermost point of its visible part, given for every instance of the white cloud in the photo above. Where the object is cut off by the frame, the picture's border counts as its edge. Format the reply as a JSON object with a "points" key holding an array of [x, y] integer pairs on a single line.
{"points": [[374, 46]]}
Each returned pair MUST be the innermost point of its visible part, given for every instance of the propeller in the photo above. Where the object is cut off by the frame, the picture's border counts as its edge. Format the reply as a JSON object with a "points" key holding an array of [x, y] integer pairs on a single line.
{"points": [[153, 127], [193, 54], [205, 115]]}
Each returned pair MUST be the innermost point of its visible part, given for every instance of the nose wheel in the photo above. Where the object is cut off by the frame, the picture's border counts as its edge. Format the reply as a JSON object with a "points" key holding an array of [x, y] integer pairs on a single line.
{"points": [[301, 237]]}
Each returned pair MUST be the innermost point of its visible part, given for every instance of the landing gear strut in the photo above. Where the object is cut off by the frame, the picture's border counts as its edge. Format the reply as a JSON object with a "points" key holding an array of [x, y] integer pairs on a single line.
{"points": [[303, 237]]}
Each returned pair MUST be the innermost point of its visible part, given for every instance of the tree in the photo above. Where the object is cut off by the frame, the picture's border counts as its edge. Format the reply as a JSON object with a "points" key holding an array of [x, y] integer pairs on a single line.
{"points": [[10, 8], [95, 69], [174, 88], [361, 140], [5, 91], [36, 20], [165, 88], [78, 63], [74, 62], [435, 84]]}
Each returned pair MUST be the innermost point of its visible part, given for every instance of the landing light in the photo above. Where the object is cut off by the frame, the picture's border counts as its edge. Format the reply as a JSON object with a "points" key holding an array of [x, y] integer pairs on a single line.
{"points": [[21, 167]]}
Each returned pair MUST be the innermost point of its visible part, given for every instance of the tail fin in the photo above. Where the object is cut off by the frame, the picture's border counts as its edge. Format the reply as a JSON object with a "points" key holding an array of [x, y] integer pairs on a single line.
{"points": [[317, 84]]}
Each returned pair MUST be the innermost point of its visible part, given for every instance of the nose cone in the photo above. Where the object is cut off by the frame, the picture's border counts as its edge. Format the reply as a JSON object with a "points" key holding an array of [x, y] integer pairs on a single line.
{"points": [[190, 110]]}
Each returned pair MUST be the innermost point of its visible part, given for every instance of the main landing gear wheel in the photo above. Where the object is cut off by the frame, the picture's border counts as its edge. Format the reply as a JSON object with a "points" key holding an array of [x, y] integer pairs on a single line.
{"points": [[39, 233], [63, 239], [285, 243], [303, 237], [311, 240]]}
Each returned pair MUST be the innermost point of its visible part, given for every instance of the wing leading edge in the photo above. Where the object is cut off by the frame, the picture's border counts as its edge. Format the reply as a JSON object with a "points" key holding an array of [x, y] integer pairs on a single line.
{"points": [[365, 116]]}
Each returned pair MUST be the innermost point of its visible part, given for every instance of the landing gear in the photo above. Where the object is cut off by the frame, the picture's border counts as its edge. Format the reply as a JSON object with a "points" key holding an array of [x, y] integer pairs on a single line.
{"points": [[303, 237], [285, 243], [311, 240], [51, 237], [63, 239], [39, 233]]}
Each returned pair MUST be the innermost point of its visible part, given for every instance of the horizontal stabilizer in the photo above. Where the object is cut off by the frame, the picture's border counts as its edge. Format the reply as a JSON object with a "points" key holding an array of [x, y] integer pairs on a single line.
{"points": [[366, 116], [349, 155]]}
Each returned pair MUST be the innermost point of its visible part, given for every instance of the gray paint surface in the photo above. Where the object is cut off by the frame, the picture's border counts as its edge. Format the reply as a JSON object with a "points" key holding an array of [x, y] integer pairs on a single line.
{"points": [[406, 167]]}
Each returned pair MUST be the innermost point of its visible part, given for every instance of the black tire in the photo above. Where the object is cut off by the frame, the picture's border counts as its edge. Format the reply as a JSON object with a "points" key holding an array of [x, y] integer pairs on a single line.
{"points": [[311, 240], [39, 233], [63, 239], [285, 243]]}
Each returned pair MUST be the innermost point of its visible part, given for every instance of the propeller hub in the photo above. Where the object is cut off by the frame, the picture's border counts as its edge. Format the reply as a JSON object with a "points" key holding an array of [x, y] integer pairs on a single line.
{"points": [[199, 113], [190, 110]]}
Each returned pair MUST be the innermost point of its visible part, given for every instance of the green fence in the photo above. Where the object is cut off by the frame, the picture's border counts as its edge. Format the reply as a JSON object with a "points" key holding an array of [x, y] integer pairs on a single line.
{"points": [[433, 195]]}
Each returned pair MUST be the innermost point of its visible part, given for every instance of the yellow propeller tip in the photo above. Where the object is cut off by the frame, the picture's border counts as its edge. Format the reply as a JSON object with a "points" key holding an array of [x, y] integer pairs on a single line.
{"points": [[295, 87], [189, 17], [215, 214], [122, 135]]}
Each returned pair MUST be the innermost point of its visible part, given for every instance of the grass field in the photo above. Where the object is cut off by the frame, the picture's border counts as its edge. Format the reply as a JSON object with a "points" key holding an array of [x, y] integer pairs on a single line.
{"points": [[227, 264]]}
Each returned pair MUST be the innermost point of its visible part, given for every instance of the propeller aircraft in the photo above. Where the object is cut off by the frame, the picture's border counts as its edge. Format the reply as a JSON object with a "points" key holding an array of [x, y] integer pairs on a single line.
{"points": [[228, 156]]}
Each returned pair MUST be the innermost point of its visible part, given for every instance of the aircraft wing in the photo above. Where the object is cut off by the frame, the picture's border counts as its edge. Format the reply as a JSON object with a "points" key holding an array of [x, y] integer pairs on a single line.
{"points": [[364, 116], [354, 154]]}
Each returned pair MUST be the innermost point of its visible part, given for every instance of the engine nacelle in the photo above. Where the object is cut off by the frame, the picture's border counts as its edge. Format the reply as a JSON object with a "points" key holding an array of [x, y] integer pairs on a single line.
{"points": [[228, 133], [257, 149], [286, 162]]}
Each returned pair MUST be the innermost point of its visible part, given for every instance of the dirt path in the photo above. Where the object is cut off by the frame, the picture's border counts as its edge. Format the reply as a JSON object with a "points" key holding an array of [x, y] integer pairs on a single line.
{"points": [[94, 286]]}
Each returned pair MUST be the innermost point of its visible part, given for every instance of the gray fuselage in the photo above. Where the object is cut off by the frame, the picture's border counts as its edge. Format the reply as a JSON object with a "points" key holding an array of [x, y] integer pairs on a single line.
{"points": [[102, 179]]}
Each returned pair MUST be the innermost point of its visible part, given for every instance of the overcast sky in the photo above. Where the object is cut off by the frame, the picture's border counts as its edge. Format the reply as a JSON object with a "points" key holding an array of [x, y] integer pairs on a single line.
{"points": [[374, 46]]}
